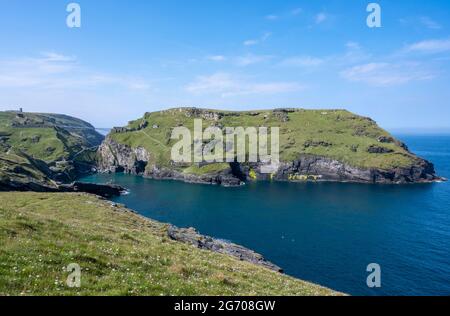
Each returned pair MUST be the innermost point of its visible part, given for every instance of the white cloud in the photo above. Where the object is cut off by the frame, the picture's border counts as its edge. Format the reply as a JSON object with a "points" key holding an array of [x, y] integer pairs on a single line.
{"points": [[430, 23], [272, 17], [217, 58], [55, 57], [56, 71], [321, 17], [266, 36], [354, 54], [386, 74], [250, 42], [302, 61], [430, 46], [296, 11], [251, 59], [353, 45], [227, 85], [263, 38]]}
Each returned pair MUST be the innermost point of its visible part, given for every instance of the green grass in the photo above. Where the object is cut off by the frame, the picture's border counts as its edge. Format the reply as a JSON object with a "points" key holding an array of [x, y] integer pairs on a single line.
{"points": [[44, 141], [120, 253], [48, 137], [207, 169], [346, 135], [18, 168]]}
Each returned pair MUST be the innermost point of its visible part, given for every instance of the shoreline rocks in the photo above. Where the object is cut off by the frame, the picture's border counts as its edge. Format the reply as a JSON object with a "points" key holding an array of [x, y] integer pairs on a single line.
{"points": [[192, 237], [103, 190]]}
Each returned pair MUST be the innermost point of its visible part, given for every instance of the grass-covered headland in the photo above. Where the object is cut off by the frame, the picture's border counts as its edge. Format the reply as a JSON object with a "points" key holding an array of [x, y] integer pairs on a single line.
{"points": [[119, 252]]}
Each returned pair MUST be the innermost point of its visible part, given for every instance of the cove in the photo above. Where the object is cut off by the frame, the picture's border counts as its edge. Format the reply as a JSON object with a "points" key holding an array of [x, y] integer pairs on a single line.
{"points": [[326, 233]]}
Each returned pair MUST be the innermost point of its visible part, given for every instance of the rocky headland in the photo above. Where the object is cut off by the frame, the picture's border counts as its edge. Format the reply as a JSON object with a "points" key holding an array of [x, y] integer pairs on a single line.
{"points": [[328, 145]]}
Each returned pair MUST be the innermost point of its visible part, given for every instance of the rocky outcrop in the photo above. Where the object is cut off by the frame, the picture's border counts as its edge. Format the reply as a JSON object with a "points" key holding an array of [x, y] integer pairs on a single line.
{"points": [[224, 178], [104, 190], [325, 169], [115, 157], [31, 185], [192, 237], [21, 185], [118, 157]]}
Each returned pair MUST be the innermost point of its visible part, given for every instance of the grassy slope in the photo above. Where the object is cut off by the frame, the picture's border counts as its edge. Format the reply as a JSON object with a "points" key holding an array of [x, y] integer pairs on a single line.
{"points": [[348, 135], [43, 142], [17, 167], [120, 254]]}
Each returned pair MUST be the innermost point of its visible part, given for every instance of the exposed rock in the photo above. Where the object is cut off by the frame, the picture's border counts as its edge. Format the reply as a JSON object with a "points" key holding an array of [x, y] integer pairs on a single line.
{"points": [[385, 139], [204, 114], [282, 114], [104, 190], [116, 157], [311, 143], [326, 169], [119, 130], [225, 178], [379, 150], [143, 125], [192, 237]]}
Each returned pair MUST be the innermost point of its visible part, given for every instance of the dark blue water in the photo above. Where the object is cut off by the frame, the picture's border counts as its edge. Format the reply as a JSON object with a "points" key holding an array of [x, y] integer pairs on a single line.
{"points": [[326, 233]]}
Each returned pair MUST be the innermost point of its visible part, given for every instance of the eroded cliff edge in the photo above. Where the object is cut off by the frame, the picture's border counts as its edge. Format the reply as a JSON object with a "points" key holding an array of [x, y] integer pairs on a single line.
{"points": [[326, 145]]}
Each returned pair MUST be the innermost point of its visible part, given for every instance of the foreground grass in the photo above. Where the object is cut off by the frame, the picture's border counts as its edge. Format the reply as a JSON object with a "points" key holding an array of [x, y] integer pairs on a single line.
{"points": [[120, 253]]}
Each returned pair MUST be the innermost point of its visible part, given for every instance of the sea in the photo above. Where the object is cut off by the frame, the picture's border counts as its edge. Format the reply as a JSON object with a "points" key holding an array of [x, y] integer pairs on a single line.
{"points": [[325, 233]]}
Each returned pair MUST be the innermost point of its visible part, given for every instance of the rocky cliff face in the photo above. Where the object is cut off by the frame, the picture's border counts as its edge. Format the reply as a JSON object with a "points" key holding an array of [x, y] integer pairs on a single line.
{"points": [[314, 168], [115, 157], [310, 142]]}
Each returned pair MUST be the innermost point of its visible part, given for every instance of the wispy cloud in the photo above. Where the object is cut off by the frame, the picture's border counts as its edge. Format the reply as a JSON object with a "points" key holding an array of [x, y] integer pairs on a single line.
{"points": [[429, 23], [386, 74], [250, 42], [430, 46], [354, 54], [302, 61], [57, 71], [227, 85], [271, 17], [263, 38], [320, 18], [251, 59], [217, 58], [296, 11], [420, 22]]}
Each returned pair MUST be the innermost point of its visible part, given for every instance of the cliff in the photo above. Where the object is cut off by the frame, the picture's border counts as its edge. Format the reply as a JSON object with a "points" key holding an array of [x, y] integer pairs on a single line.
{"points": [[315, 145], [38, 151]]}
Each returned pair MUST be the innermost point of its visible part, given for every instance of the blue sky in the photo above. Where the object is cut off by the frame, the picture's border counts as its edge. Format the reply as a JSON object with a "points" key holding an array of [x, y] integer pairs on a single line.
{"points": [[130, 57]]}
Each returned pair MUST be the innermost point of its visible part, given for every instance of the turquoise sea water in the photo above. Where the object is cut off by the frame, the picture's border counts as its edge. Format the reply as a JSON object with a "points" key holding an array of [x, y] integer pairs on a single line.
{"points": [[326, 233]]}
